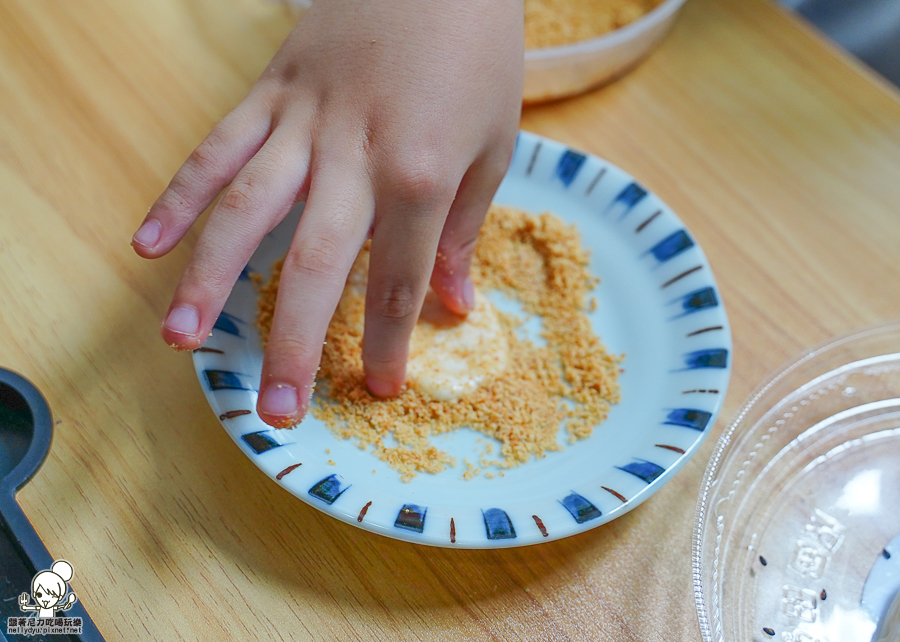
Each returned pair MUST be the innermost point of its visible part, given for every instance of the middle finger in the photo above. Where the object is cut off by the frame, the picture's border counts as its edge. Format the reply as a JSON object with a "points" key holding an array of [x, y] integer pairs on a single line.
{"points": [[402, 258]]}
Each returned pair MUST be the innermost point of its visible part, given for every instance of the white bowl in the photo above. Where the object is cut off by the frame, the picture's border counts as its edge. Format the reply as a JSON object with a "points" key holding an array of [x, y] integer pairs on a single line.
{"points": [[557, 72]]}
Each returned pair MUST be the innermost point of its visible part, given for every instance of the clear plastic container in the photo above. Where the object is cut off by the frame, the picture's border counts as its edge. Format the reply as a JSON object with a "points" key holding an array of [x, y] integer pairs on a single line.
{"points": [[799, 510], [557, 72]]}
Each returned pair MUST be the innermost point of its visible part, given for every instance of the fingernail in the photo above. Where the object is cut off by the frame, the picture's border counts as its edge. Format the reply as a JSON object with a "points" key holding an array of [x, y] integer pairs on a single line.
{"points": [[149, 233], [468, 293], [279, 399], [183, 320]]}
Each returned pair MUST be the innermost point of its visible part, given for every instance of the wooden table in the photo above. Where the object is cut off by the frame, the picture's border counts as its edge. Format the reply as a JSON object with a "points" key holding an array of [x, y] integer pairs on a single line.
{"points": [[782, 156]]}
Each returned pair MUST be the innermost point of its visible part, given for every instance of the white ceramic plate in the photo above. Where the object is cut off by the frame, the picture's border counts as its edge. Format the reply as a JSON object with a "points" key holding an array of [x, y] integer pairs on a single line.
{"points": [[658, 304]]}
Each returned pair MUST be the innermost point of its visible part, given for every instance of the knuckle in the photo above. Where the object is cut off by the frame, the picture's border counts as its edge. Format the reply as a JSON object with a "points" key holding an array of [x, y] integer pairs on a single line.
{"points": [[196, 173], [395, 299], [317, 256], [423, 182], [238, 197], [246, 193], [292, 349], [209, 277], [206, 153], [270, 90]]}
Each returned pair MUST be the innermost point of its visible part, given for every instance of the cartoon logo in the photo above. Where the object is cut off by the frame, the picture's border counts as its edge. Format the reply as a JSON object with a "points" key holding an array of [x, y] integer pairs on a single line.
{"points": [[48, 588], [50, 592]]}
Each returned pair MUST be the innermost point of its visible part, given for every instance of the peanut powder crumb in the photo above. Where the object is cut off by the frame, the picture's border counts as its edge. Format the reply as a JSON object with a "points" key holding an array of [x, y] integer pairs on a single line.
{"points": [[550, 23], [472, 470], [570, 381]]}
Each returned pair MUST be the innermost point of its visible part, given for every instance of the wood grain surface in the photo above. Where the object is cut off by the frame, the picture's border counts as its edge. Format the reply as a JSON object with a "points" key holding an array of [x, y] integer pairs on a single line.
{"points": [[782, 157]]}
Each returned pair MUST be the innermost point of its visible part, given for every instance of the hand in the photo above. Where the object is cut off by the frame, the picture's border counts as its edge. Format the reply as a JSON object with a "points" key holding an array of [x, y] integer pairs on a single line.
{"points": [[23, 601], [393, 119]]}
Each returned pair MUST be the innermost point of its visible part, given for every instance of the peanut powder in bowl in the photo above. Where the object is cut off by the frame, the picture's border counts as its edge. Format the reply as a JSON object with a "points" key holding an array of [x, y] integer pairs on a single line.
{"points": [[550, 23], [574, 45], [480, 373]]}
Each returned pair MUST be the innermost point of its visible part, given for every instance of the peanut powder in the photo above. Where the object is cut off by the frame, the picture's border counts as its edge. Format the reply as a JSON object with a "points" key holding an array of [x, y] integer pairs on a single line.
{"points": [[550, 23], [570, 381]]}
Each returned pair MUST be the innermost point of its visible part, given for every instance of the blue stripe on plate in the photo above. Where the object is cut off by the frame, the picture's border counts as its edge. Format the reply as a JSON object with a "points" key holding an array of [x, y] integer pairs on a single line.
{"points": [[672, 246], [631, 195], [227, 380], [262, 441], [699, 300], [646, 470], [569, 165], [329, 489], [228, 323], [712, 358], [689, 418], [497, 524], [582, 510], [411, 517]]}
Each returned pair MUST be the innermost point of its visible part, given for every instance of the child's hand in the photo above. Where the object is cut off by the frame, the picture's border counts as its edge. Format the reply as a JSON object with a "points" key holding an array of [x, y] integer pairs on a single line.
{"points": [[391, 118]]}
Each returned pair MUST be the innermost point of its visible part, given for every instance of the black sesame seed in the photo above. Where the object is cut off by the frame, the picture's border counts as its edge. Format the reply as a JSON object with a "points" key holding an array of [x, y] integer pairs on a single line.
{"points": [[887, 555], [762, 560], [823, 595], [768, 631]]}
